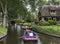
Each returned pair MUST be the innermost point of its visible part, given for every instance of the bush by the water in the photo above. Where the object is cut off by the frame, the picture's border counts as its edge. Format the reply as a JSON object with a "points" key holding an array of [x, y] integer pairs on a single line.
{"points": [[19, 21], [46, 23], [27, 24], [52, 22], [43, 23]]}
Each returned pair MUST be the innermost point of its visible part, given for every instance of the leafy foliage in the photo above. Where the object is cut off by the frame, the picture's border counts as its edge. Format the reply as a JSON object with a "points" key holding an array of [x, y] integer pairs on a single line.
{"points": [[52, 22], [43, 22], [16, 9], [30, 17]]}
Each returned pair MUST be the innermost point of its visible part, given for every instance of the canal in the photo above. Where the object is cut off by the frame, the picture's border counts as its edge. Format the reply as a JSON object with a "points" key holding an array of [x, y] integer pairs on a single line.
{"points": [[43, 39], [49, 39]]}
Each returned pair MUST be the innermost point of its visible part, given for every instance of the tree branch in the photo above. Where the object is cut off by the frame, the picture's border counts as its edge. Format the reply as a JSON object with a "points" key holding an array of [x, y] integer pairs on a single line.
{"points": [[2, 5]]}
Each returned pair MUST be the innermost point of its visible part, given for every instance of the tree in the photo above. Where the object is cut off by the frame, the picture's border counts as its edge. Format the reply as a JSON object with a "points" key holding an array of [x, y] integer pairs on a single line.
{"points": [[12, 9], [34, 5], [22, 9]]}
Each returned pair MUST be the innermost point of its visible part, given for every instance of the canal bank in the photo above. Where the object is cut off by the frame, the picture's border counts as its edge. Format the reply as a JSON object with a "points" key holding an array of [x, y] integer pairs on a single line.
{"points": [[48, 38]]}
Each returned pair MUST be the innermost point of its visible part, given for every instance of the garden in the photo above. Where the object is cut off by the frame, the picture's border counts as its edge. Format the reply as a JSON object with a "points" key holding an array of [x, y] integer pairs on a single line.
{"points": [[49, 27]]}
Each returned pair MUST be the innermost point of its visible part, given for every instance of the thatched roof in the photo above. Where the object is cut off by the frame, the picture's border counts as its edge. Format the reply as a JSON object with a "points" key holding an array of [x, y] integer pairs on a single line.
{"points": [[50, 6]]}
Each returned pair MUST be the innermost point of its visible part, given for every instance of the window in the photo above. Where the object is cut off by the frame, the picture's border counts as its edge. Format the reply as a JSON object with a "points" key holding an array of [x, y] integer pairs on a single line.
{"points": [[54, 19], [52, 11], [49, 18]]}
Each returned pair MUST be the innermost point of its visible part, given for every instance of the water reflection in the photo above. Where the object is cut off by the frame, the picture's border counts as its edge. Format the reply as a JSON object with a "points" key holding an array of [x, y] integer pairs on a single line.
{"points": [[49, 40]]}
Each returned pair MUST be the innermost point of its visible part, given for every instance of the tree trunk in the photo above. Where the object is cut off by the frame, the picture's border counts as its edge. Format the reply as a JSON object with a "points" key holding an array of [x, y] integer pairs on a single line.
{"points": [[4, 9], [4, 21]]}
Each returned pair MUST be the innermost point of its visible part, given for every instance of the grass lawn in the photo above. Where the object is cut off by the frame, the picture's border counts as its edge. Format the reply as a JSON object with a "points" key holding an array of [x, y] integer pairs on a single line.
{"points": [[2, 31], [53, 27], [48, 29]]}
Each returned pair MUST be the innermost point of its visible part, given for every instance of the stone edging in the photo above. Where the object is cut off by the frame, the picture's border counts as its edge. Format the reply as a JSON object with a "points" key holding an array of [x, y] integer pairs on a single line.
{"points": [[3, 37]]}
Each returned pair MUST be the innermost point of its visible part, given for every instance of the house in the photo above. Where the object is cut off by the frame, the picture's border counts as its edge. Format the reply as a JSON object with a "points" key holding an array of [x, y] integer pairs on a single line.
{"points": [[48, 12]]}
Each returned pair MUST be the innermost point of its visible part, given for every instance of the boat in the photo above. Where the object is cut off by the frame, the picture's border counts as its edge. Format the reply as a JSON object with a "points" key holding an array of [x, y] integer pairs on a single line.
{"points": [[32, 36]]}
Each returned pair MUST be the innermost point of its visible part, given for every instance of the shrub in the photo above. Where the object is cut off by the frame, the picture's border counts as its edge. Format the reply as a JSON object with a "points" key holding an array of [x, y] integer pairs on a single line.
{"points": [[27, 24], [19, 21], [43, 23], [52, 22]]}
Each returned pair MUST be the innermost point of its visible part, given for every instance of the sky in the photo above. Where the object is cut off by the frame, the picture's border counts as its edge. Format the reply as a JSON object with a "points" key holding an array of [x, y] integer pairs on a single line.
{"points": [[28, 7], [46, 0]]}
